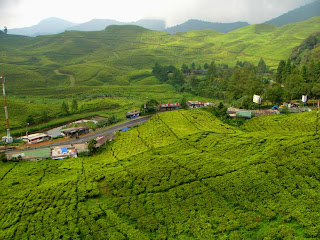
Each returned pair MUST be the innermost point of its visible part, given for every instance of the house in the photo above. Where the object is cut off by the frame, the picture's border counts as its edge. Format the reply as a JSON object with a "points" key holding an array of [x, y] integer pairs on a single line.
{"points": [[74, 132], [62, 152], [35, 138], [195, 104], [133, 114], [169, 107]]}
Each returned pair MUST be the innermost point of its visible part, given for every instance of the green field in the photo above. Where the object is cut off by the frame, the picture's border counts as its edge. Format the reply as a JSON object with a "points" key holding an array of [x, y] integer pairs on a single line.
{"points": [[111, 69], [182, 175]]}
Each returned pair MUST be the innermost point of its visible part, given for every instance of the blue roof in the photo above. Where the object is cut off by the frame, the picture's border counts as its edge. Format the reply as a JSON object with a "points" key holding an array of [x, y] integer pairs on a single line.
{"points": [[125, 129], [64, 150]]}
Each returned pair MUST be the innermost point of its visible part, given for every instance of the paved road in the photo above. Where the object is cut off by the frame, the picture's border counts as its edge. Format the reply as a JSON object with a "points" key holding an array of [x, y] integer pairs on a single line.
{"points": [[86, 138]]}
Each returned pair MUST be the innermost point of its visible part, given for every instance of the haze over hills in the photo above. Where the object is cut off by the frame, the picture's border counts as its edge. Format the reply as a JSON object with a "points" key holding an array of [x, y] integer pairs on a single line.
{"points": [[101, 24], [195, 24], [45, 27], [297, 15], [55, 25], [51, 26]]}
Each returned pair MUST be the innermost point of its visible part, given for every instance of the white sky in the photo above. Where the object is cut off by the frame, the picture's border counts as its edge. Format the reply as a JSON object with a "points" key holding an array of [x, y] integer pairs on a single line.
{"points": [[22, 13]]}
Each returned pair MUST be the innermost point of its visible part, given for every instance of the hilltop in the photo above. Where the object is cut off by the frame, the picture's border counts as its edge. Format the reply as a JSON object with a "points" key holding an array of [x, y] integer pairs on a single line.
{"points": [[184, 174]]}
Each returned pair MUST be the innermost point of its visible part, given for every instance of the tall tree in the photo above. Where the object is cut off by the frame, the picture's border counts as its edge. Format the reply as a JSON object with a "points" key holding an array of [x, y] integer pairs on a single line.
{"points": [[280, 71], [74, 106], [65, 108], [193, 66], [262, 66]]}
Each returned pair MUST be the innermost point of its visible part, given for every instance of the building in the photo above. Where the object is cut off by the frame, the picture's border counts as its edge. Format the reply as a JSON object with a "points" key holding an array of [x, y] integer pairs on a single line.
{"points": [[195, 104], [64, 152], [101, 141], [74, 132], [169, 107], [35, 138], [133, 114]]}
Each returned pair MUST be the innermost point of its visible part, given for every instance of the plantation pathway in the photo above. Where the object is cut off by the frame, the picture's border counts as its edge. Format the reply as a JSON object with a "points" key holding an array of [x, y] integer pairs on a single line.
{"points": [[72, 77]]}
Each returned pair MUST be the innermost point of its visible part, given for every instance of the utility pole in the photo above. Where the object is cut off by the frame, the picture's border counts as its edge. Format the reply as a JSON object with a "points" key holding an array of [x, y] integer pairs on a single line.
{"points": [[8, 138]]}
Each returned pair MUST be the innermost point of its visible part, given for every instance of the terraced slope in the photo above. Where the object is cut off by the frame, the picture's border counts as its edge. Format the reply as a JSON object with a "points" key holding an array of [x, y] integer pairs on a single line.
{"points": [[183, 175]]}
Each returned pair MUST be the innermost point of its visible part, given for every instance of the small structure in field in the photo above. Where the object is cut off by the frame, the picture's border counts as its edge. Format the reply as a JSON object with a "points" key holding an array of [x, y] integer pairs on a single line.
{"points": [[133, 114], [74, 132], [64, 152], [195, 104], [124, 129], [101, 141], [169, 107], [35, 138], [244, 114]]}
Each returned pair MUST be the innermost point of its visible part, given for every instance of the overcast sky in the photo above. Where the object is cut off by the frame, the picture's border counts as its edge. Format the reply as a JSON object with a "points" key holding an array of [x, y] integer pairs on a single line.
{"points": [[22, 13]]}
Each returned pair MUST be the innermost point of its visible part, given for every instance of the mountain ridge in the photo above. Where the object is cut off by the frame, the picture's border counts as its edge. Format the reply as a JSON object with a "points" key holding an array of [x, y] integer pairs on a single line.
{"points": [[297, 15]]}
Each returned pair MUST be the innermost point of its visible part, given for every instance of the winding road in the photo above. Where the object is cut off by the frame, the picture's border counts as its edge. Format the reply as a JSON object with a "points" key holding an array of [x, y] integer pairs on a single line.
{"points": [[72, 77]]}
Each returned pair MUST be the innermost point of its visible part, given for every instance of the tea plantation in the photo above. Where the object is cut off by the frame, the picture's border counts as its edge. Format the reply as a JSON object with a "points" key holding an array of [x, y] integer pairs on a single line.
{"points": [[182, 175], [115, 66]]}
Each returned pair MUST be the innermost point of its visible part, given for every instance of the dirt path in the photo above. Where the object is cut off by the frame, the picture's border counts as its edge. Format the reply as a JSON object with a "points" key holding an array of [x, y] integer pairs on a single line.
{"points": [[72, 77]]}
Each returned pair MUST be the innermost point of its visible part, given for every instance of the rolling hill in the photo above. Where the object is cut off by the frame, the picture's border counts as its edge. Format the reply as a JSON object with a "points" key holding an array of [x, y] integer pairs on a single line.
{"points": [[117, 62], [297, 15], [182, 175]]}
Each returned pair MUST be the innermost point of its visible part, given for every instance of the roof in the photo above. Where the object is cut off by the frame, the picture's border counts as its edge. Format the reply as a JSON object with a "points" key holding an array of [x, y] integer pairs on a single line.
{"points": [[133, 112], [245, 114], [124, 129], [36, 135], [195, 103], [170, 105]]}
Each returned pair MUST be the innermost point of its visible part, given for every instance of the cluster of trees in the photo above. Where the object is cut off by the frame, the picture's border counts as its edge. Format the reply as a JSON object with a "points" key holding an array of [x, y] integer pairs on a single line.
{"points": [[221, 81], [113, 119], [66, 110], [239, 83]]}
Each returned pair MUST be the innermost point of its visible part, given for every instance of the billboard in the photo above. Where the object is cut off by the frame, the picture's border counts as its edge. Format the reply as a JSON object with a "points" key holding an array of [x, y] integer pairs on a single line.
{"points": [[257, 99], [304, 98]]}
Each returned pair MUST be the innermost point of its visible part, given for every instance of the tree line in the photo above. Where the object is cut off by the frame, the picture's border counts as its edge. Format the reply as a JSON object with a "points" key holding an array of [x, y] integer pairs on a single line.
{"points": [[238, 84]]}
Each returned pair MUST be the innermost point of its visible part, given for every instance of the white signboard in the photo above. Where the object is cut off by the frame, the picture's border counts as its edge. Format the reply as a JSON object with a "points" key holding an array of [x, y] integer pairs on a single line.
{"points": [[304, 98], [257, 99]]}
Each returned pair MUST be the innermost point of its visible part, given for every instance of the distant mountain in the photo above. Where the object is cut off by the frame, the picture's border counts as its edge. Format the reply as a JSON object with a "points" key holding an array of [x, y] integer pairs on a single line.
{"points": [[101, 24], [45, 27], [300, 14], [95, 25], [152, 24], [194, 24]]}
